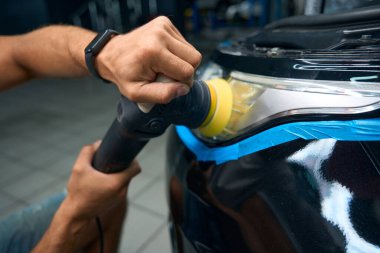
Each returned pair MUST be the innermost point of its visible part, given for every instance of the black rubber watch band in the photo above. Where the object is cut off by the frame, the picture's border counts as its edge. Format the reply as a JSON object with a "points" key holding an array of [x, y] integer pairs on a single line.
{"points": [[93, 49]]}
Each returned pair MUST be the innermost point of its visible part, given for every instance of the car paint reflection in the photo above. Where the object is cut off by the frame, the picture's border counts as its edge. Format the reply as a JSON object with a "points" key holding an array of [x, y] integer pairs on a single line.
{"points": [[289, 198]]}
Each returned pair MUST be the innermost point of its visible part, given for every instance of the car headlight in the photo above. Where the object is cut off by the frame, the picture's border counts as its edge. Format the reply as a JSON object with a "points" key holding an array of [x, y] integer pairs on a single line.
{"points": [[260, 102]]}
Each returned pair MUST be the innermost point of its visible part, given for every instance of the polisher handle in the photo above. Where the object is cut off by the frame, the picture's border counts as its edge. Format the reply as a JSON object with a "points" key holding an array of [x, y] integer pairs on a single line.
{"points": [[117, 150], [133, 127], [146, 107]]}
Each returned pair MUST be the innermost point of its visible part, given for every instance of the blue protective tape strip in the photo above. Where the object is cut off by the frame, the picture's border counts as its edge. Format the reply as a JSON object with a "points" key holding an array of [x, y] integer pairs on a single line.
{"points": [[354, 130]]}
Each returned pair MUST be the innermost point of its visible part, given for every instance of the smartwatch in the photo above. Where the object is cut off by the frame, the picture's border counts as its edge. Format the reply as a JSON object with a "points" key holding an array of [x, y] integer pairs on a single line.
{"points": [[93, 49]]}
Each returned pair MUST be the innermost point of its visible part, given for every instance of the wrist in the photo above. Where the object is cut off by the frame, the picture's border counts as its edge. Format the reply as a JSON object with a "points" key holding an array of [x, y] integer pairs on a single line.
{"points": [[102, 65], [92, 51], [73, 214]]}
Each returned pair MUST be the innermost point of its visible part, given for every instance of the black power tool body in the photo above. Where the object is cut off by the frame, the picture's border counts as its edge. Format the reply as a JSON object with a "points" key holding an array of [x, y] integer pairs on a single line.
{"points": [[133, 127]]}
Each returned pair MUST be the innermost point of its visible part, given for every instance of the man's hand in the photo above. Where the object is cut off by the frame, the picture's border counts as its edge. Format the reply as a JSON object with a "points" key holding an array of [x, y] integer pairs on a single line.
{"points": [[133, 60], [90, 192]]}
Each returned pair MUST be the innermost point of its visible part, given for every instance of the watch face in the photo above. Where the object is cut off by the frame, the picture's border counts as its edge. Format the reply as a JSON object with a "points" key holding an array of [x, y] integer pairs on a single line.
{"points": [[97, 43], [100, 41], [94, 48]]}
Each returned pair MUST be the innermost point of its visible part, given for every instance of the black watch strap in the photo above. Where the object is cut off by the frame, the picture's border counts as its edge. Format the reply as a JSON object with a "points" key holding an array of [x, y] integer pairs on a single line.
{"points": [[93, 49]]}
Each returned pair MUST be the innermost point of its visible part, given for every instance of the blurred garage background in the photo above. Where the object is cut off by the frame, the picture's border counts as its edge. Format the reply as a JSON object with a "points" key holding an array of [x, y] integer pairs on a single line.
{"points": [[44, 124]]}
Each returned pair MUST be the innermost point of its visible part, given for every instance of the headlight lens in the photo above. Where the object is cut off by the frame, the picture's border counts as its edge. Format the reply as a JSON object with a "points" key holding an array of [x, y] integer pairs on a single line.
{"points": [[260, 99]]}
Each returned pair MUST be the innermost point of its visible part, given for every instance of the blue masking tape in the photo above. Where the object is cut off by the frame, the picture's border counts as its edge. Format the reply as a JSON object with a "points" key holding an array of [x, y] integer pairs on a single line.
{"points": [[353, 130]]}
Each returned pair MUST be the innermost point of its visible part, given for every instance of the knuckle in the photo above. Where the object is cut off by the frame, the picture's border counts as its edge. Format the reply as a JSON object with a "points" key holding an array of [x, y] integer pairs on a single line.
{"points": [[166, 97], [148, 50], [187, 71], [132, 94], [163, 20], [77, 169], [159, 33], [198, 58], [123, 89]]}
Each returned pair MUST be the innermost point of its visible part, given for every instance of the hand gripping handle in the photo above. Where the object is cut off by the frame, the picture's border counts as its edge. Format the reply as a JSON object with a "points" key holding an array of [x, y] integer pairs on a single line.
{"points": [[117, 150]]}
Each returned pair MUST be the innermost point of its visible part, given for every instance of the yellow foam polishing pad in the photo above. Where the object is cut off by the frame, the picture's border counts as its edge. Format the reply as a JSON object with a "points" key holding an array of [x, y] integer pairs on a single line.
{"points": [[220, 108]]}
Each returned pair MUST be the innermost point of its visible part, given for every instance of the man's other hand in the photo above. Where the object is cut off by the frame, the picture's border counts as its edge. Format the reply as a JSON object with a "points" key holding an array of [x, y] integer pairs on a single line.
{"points": [[92, 193], [133, 60]]}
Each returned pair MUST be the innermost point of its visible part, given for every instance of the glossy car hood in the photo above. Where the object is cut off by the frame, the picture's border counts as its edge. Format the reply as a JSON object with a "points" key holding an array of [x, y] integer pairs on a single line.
{"points": [[300, 196], [324, 47]]}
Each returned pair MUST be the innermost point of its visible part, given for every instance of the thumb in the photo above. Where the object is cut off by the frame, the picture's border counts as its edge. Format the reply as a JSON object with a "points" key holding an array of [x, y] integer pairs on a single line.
{"points": [[161, 92], [133, 170]]}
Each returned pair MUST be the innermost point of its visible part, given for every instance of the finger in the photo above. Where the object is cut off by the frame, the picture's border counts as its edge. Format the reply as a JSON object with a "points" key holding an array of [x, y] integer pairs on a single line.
{"points": [[174, 33], [96, 144], [132, 171], [173, 67], [160, 92], [185, 52], [177, 33], [166, 23], [86, 154]]}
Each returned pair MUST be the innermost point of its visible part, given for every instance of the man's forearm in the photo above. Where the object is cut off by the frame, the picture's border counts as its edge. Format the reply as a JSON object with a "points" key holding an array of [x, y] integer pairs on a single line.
{"points": [[70, 232], [65, 233], [131, 61], [53, 51]]}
